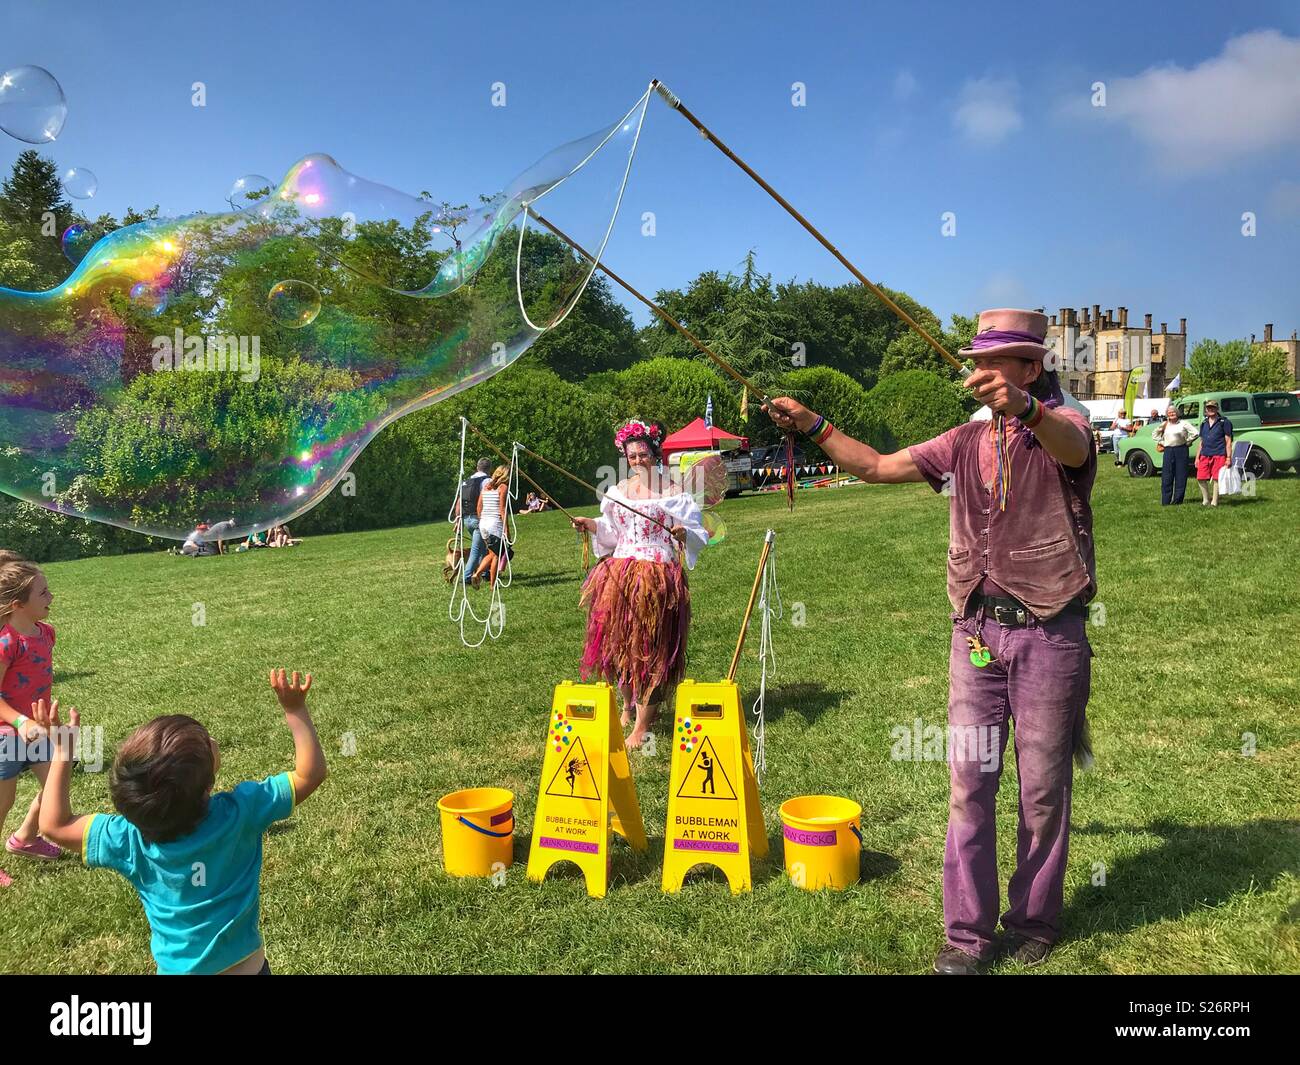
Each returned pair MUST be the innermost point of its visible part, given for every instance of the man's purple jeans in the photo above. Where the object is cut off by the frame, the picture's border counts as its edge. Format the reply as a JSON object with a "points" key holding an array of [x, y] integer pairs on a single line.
{"points": [[1040, 678]]}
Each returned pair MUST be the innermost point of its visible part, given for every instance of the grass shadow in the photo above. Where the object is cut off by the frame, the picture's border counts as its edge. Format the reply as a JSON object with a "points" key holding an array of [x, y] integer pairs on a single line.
{"points": [[1194, 868], [808, 699], [60, 676], [540, 580]]}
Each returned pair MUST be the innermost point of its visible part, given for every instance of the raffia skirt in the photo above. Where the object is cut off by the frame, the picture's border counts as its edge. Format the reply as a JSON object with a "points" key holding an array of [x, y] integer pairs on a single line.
{"points": [[638, 614]]}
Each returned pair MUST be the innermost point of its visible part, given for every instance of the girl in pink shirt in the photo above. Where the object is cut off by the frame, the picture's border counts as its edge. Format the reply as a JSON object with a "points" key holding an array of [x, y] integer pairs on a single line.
{"points": [[26, 658]]}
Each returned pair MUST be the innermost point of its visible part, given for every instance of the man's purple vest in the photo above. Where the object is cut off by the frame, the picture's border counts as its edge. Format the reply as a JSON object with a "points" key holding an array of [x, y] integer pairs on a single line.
{"points": [[1040, 548]]}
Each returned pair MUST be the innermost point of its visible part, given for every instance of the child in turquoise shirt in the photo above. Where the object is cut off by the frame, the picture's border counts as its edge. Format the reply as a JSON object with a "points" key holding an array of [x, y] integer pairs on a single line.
{"points": [[194, 858]]}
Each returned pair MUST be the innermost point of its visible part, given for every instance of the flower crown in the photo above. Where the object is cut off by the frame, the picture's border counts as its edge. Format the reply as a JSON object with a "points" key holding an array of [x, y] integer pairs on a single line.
{"points": [[637, 430]]}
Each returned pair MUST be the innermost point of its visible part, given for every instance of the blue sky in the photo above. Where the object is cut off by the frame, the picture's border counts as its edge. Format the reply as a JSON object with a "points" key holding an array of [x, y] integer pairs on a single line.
{"points": [[912, 110]]}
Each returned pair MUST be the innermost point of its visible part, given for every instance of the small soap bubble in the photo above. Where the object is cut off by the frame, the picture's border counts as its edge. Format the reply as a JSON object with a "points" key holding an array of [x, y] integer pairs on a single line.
{"points": [[80, 183], [76, 241], [249, 189], [32, 105], [294, 304], [149, 296]]}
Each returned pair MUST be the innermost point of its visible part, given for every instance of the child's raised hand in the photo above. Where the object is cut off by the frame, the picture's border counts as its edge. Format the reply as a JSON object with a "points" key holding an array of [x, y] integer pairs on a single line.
{"points": [[292, 693]]}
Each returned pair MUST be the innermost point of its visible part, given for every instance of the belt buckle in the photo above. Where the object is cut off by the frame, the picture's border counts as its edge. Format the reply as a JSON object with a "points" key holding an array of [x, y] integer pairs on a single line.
{"points": [[1014, 615]]}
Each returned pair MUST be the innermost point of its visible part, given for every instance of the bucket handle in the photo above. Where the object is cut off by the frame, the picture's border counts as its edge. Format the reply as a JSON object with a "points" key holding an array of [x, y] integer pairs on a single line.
{"points": [[487, 831], [854, 829]]}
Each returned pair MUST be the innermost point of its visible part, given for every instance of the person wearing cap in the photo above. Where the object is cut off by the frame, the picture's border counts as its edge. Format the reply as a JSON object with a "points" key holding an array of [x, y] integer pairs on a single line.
{"points": [[1021, 570], [1216, 446], [1173, 437]]}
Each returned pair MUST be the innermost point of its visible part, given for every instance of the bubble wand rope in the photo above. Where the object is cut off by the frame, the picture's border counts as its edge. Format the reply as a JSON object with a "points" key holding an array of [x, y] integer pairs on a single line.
{"points": [[545, 494], [768, 541], [578, 480], [722, 363], [676, 104]]}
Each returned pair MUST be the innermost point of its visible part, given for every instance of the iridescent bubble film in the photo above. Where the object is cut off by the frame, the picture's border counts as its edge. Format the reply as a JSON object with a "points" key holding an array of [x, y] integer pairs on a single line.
{"points": [[76, 241], [160, 385], [80, 183], [32, 106]]}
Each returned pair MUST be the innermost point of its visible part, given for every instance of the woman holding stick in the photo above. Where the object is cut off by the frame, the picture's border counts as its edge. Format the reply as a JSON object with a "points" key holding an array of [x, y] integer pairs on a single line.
{"points": [[637, 599]]}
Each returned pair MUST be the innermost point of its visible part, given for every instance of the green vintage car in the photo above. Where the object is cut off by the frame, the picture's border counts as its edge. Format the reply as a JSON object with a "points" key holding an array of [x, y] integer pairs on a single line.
{"points": [[1269, 420]]}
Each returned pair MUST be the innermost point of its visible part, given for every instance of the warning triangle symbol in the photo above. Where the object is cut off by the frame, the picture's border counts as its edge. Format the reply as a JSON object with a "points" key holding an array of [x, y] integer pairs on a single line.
{"points": [[707, 776], [574, 777]]}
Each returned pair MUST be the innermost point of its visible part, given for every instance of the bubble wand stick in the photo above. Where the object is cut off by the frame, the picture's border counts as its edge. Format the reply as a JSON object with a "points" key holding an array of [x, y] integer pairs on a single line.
{"points": [[722, 363]]}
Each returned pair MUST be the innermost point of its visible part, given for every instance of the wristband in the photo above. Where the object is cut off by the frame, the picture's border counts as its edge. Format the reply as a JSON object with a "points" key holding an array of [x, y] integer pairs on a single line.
{"points": [[816, 427], [1033, 415], [823, 433], [20, 722]]}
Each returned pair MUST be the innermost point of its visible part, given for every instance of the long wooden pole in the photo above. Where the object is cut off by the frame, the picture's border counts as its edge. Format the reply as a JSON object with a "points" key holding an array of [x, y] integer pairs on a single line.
{"points": [[875, 289], [753, 595], [525, 476], [722, 363]]}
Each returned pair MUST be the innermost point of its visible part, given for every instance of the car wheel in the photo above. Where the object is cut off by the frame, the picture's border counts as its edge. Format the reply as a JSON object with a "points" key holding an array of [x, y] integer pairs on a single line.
{"points": [[1140, 464], [1259, 465]]}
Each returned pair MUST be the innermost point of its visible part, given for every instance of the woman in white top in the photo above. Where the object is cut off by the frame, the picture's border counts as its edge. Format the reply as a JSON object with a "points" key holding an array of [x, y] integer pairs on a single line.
{"points": [[491, 525], [637, 598], [1172, 438]]}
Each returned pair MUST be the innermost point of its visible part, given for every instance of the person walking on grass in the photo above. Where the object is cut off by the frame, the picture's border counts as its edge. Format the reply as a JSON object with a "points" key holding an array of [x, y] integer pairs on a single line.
{"points": [[1021, 570], [492, 526], [467, 510], [1216, 446], [1173, 437]]}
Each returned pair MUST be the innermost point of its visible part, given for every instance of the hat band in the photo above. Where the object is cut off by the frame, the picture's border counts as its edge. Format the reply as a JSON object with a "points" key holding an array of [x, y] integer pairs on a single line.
{"points": [[992, 338]]}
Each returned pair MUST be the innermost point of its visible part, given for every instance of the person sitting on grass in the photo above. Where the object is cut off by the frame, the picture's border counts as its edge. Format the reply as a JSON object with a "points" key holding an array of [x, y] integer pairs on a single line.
{"points": [[193, 857], [281, 537]]}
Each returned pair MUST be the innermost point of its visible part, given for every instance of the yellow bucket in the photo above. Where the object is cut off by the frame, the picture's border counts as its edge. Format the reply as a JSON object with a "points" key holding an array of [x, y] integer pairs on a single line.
{"points": [[823, 841], [478, 831]]}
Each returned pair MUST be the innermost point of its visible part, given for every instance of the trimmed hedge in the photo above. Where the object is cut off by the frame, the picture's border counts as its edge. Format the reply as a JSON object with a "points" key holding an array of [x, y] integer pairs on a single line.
{"points": [[914, 406]]}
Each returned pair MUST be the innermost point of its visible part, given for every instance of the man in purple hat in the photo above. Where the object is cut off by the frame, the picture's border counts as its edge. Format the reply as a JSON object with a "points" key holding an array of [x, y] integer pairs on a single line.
{"points": [[1020, 573]]}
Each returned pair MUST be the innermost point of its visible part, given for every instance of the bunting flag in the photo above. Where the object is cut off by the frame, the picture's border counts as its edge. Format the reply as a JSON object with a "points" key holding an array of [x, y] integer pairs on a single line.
{"points": [[708, 412]]}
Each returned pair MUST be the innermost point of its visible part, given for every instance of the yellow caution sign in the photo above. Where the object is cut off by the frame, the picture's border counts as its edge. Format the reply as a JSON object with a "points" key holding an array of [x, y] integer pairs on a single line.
{"points": [[586, 788], [714, 815]]}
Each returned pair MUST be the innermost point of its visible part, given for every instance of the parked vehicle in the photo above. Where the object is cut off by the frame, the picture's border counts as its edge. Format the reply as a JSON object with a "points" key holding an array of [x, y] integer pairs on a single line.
{"points": [[1269, 420]]}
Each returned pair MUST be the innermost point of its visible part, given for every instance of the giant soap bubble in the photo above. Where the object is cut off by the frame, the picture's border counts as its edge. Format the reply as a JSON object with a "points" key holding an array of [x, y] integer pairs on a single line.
{"points": [[32, 106], [159, 385]]}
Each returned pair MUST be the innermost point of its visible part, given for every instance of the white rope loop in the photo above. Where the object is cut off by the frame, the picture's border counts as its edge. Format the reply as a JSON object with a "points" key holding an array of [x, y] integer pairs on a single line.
{"points": [[459, 606], [618, 202], [769, 606]]}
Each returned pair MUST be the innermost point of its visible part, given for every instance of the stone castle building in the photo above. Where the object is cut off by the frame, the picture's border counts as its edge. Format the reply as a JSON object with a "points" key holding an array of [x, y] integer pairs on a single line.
{"points": [[1096, 351], [1291, 348]]}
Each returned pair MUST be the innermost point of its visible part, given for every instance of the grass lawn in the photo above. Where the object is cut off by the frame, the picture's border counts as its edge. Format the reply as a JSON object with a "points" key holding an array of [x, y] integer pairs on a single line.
{"points": [[1200, 844]]}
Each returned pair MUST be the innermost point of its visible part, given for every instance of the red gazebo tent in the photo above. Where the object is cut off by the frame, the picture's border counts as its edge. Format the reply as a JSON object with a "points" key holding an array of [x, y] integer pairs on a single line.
{"points": [[699, 437]]}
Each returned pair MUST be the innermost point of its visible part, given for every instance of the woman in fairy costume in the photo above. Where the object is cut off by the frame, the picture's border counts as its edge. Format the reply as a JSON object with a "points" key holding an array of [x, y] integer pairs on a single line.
{"points": [[637, 599]]}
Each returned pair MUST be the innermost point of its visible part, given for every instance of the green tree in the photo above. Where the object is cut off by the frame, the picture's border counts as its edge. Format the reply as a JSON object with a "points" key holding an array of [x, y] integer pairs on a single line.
{"points": [[1235, 365], [33, 205], [839, 398], [673, 392]]}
